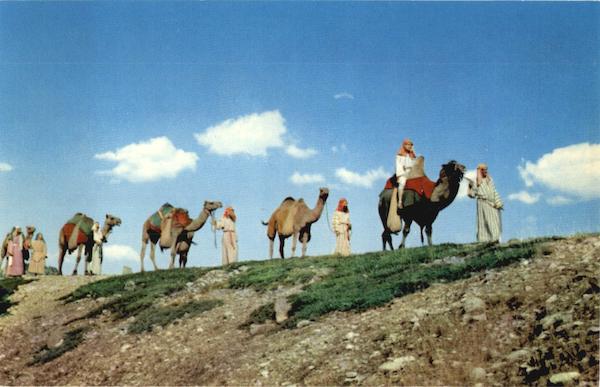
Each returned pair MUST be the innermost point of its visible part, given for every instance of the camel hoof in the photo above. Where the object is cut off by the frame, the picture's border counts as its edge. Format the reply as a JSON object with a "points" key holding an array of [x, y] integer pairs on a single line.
{"points": [[74, 272]]}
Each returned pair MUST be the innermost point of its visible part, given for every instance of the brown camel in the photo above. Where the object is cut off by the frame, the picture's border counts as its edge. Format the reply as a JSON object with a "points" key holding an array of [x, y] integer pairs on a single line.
{"points": [[417, 207], [294, 218], [174, 229], [77, 234]]}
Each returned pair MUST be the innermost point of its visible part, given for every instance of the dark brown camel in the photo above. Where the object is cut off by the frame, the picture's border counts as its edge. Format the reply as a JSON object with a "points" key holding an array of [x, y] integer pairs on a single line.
{"points": [[423, 211]]}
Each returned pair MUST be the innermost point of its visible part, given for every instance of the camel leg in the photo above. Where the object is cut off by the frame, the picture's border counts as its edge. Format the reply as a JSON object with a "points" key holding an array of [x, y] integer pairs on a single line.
{"points": [[294, 242], [87, 258], [153, 255], [304, 243], [61, 257], [429, 231], [271, 241], [281, 244], [405, 232], [79, 248], [142, 254], [182, 260], [386, 237]]}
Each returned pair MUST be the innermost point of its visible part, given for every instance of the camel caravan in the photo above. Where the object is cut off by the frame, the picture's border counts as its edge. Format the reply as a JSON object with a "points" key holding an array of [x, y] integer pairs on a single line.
{"points": [[408, 196]]}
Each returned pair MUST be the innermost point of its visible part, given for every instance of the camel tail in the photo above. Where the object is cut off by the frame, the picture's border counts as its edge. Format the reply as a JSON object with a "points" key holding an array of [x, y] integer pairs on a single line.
{"points": [[271, 228], [264, 223]]}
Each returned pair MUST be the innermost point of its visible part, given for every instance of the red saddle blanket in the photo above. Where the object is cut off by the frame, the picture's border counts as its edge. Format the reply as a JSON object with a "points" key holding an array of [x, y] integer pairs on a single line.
{"points": [[68, 229], [421, 185]]}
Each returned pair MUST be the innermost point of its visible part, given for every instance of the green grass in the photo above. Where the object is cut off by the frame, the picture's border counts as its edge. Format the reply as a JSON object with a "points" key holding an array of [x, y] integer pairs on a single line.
{"points": [[8, 286], [365, 281], [134, 294], [162, 316], [71, 340]]}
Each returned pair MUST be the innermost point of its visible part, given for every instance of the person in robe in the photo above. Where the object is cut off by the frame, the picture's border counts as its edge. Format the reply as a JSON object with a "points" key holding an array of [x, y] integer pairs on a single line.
{"points": [[489, 205], [341, 227], [96, 264], [16, 267], [405, 159], [37, 263], [229, 245]]}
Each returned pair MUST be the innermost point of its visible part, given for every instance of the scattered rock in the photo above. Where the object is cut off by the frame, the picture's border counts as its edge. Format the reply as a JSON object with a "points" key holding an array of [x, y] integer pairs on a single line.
{"points": [[472, 304], [127, 270], [564, 377], [303, 323], [282, 308], [478, 373], [397, 363], [129, 285]]}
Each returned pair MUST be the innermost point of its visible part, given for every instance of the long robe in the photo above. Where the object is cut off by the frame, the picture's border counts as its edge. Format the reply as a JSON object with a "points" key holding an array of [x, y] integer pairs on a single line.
{"points": [[489, 222], [341, 227], [229, 248], [96, 263], [16, 266], [37, 262]]}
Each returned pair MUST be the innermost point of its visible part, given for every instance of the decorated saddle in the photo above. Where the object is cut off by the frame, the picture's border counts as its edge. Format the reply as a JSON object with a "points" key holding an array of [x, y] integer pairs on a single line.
{"points": [[81, 224], [155, 218], [415, 189]]}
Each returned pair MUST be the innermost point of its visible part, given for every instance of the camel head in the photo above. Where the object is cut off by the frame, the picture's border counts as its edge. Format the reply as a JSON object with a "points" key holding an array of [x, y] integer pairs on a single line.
{"points": [[454, 171], [112, 220], [30, 230], [211, 206], [323, 194]]}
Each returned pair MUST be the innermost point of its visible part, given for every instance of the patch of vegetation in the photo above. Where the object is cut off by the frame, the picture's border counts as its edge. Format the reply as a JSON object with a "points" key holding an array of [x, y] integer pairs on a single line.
{"points": [[71, 340], [162, 316], [133, 294], [8, 286], [260, 315]]}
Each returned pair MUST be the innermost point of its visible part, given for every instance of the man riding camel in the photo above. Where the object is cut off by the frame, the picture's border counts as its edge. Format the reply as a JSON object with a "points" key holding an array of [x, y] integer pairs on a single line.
{"points": [[405, 159]]}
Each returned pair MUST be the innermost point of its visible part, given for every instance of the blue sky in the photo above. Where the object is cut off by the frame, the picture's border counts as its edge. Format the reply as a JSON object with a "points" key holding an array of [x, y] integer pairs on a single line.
{"points": [[98, 100]]}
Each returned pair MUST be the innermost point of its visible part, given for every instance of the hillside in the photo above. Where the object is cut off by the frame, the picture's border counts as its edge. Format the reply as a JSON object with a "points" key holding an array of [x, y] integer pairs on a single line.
{"points": [[522, 312]]}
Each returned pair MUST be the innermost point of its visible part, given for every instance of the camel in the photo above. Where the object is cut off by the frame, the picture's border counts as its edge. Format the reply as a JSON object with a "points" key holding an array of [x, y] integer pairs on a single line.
{"points": [[173, 229], [419, 208], [294, 218], [77, 234]]}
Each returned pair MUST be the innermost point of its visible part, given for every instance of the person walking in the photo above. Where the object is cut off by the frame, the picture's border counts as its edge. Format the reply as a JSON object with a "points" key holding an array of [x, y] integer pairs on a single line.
{"points": [[96, 264], [37, 263], [229, 246], [489, 205], [405, 159], [15, 266], [341, 228]]}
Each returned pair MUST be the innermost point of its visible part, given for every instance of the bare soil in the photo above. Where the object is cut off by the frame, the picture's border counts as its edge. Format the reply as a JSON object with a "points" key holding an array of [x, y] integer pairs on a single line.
{"points": [[532, 322]]}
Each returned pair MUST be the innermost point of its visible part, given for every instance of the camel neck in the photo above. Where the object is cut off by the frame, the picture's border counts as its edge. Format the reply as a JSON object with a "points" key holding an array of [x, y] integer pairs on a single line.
{"points": [[199, 221]]}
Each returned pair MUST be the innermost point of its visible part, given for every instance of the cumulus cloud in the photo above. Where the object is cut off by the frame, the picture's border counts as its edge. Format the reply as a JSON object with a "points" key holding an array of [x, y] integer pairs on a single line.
{"points": [[252, 135], [365, 180], [300, 153], [149, 160], [5, 167], [573, 170], [120, 253], [343, 95], [306, 178], [525, 197], [559, 200]]}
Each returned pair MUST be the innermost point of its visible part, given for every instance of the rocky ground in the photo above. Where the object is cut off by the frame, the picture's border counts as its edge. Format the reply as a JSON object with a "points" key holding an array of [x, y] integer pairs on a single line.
{"points": [[533, 322]]}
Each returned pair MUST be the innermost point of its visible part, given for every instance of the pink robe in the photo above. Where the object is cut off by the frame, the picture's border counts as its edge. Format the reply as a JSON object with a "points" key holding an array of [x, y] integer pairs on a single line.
{"points": [[17, 268]]}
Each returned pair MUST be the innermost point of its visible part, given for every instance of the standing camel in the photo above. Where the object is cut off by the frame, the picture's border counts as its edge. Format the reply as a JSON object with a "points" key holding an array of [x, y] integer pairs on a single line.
{"points": [[77, 234], [174, 229], [422, 199], [294, 218]]}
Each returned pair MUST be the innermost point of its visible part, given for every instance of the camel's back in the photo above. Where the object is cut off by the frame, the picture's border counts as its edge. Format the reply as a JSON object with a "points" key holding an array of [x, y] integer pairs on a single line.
{"points": [[287, 215]]}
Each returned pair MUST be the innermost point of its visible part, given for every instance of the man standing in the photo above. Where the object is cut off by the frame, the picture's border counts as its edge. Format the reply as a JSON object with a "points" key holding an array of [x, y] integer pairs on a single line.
{"points": [[489, 204]]}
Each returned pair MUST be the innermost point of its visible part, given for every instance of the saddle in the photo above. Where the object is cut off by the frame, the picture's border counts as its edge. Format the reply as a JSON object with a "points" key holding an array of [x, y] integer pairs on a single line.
{"points": [[422, 186]]}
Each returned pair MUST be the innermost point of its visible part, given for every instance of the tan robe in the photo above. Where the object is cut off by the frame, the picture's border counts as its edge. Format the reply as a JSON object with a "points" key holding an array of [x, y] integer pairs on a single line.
{"points": [[229, 248], [37, 263], [341, 228]]}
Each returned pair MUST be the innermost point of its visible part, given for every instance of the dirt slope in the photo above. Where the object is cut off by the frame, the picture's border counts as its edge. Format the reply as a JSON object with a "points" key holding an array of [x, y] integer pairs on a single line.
{"points": [[537, 321]]}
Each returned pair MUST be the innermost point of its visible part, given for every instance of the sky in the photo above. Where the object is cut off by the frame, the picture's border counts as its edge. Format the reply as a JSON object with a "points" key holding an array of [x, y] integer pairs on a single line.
{"points": [[118, 107]]}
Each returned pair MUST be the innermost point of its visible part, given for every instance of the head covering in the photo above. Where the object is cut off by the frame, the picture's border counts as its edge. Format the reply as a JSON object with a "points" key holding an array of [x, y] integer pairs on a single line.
{"points": [[405, 152], [229, 213], [342, 204], [480, 177], [39, 237], [96, 226]]}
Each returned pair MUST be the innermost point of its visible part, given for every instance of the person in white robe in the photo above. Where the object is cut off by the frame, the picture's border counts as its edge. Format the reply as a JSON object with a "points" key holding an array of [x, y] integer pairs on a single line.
{"points": [[489, 205], [405, 159], [341, 227]]}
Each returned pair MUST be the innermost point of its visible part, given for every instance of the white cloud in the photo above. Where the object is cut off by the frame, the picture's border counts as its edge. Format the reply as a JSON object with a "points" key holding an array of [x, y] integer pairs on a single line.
{"points": [[464, 184], [148, 161], [307, 178], [525, 197], [253, 134], [362, 180], [341, 148], [574, 170], [559, 200], [300, 153], [120, 253], [343, 95], [5, 167]]}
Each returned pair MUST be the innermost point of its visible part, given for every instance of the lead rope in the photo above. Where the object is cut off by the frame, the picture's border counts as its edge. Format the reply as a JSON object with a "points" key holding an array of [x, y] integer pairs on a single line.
{"points": [[327, 216], [214, 229]]}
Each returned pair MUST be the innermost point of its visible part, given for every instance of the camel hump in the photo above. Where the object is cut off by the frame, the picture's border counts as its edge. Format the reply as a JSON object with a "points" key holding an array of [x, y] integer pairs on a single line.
{"points": [[288, 199]]}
